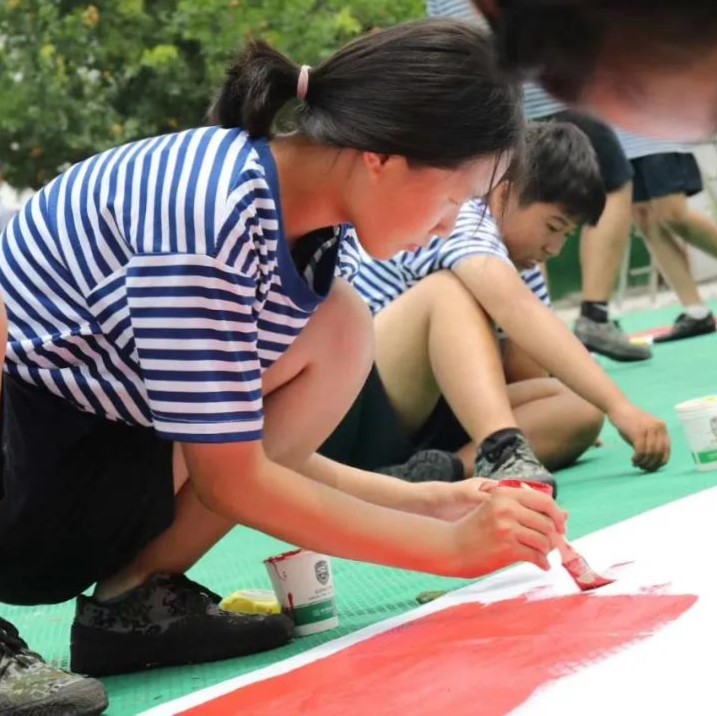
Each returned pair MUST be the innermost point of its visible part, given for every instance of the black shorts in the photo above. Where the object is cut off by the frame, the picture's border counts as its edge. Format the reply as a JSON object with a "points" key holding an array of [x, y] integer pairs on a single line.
{"points": [[83, 495], [659, 175], [615, 167], [371, 435]]}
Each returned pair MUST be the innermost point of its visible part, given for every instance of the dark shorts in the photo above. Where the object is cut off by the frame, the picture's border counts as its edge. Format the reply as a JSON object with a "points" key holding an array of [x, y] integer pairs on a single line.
{"points": [[371, 435], [83, 495], [615, 167], [659, 175]]}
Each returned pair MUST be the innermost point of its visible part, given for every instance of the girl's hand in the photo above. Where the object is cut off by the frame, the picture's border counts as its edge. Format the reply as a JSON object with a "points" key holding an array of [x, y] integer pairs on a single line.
{"points": [[451, 501], [511, 525]]}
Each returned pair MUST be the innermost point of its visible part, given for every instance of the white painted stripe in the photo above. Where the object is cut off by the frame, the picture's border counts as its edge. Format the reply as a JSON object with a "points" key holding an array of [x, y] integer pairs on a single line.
{"points": [[670, 673]]}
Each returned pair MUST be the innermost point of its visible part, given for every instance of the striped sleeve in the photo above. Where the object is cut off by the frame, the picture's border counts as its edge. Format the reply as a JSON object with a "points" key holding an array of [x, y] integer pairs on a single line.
{"points": [[535, 281], [196, 343], [636, 146], [350, 256], [538, 103], [475, 234], [380, 282], [457, 9]]}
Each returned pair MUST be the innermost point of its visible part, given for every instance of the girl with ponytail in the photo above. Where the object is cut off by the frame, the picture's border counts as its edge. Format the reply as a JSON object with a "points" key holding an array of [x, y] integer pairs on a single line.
{"points": [[179, 345]]}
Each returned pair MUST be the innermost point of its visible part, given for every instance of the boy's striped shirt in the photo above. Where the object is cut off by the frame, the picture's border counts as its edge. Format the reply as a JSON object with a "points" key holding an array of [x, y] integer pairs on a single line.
{"points": [[381, 282]]}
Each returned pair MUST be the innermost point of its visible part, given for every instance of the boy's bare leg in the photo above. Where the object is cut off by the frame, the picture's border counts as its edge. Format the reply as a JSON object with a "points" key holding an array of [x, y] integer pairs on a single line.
{"points": [[517, 364], [560, 426], [307, 392], [436, 340]]}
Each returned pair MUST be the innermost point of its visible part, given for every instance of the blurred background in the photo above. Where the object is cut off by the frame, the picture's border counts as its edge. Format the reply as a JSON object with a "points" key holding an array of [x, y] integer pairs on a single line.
{"points": [[78, 78]]}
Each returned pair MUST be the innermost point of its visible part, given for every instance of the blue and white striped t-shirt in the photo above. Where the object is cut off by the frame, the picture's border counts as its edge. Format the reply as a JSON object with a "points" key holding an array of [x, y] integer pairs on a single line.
{"points": [[636, 146], [381, 282], [153, 284], [458, 9]]}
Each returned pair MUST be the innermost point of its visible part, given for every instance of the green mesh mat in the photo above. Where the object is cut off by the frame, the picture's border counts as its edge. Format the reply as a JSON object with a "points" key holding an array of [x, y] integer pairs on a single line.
{"points": [[601, 490]]}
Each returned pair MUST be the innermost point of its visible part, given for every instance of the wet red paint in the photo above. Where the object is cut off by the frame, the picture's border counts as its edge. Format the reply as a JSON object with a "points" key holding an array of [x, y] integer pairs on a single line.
{"points": [[468, 659], [584, 576]]}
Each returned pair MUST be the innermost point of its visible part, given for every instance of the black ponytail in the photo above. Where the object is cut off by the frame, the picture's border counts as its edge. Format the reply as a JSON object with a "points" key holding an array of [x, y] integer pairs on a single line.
{"points": [[260, 81], [428, 90]]}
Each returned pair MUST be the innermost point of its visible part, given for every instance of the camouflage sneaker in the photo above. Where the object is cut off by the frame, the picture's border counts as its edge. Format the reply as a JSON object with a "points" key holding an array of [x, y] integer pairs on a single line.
{"points": [[428, 465], [608, 340], [512, 458], [167, 621], [29, 686]]}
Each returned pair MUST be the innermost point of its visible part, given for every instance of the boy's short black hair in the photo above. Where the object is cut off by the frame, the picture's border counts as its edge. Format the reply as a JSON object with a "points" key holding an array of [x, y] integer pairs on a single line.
{"points": [[559, 166]]}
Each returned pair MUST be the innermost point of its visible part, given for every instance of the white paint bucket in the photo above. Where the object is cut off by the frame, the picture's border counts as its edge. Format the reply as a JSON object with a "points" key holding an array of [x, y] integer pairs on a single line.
{"points": [[699, 421], [304, 586]]}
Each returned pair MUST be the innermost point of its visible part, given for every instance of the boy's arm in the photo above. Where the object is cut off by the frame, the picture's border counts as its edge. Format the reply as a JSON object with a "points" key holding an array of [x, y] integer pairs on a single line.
{"points": [[497, 286], [237, 481]]}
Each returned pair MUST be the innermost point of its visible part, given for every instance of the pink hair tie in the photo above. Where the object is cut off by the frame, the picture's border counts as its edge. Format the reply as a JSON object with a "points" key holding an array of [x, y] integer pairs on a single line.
{"points": [[302, 84]]}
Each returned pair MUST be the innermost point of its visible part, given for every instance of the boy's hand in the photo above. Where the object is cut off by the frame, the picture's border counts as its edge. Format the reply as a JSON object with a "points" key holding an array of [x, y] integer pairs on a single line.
{"points": [[646, 433], [512, 525]]}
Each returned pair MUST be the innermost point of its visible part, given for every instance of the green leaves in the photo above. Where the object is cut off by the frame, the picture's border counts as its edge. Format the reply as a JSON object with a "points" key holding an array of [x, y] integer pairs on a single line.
{"points": [[79, 77]]}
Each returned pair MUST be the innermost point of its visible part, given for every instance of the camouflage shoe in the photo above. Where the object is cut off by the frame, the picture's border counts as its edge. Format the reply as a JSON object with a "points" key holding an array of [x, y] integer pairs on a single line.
{"points": [[167, 621], [29, 686], [428, 465], [510, 457], [608, 339]]}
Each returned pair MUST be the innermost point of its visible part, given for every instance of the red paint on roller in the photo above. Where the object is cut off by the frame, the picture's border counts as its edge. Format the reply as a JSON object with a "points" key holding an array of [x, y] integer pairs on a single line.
{"points": [[464, 660]]}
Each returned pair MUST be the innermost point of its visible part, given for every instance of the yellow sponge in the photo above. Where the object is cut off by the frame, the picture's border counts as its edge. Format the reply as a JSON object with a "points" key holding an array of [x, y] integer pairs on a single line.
{"points": [[251, 601]]}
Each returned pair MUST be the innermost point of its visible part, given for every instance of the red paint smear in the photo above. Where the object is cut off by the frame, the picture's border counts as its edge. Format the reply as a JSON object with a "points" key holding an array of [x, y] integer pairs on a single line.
{"points": [[464, 660]]}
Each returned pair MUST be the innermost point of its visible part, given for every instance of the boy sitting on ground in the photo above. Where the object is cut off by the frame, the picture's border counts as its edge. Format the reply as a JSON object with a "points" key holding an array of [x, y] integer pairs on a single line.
{"points": [[436, 404]]}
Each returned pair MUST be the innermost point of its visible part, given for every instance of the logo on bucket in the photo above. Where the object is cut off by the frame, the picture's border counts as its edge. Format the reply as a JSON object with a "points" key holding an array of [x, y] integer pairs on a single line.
{"points": [[322, 571], [713, 426]]}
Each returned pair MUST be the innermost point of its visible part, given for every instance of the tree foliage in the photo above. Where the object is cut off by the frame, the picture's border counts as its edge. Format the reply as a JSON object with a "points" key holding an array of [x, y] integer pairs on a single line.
{"points": [[77, 78]]}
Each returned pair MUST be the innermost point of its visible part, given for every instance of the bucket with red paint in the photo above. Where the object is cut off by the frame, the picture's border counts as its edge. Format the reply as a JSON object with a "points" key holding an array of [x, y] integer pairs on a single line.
{"points": [[304, 585]]}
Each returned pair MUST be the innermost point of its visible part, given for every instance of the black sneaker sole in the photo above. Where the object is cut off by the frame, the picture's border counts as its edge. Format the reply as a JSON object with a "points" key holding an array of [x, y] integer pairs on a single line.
{"points": [[670, 337], [619, 357], [83, 698], [102, 652]]}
